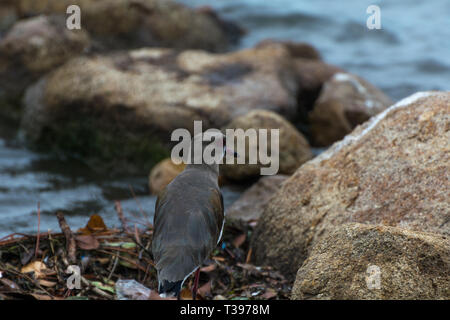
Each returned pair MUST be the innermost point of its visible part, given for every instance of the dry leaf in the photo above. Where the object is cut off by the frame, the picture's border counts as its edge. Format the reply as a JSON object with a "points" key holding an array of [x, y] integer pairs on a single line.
{"points": [[41, 296], [217, 258], [10, 284], [103, 260], [269, 294], [209, 268], [46, 283], [239, 240], [37, 267], [94, 225], [87, 242], [186, 294]]}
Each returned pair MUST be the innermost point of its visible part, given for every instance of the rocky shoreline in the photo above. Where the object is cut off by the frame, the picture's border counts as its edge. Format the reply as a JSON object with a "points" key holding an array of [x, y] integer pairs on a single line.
{"points": [[112, 93]]}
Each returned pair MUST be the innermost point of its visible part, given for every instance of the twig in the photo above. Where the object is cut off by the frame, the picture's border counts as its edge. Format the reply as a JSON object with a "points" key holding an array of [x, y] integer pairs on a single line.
{"points": [[116, 260], [124, 259], [122, 219], [249, 255], [146, 273], [11, 269], [140, 207], [96, 290], [136, 234], [144, 249], [88, 284], [71, 245], [38, 232]]}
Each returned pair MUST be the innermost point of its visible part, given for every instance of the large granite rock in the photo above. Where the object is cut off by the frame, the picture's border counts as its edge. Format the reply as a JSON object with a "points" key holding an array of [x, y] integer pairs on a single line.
{"points": [[129, 24], [293, 148], [92, 105], [31, 48], [357, 261], [392, 170], [344, 102]]}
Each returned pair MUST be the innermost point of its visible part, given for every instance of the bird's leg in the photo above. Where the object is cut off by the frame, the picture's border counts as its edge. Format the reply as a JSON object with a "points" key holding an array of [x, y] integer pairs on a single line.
{"points": [[195, 287]]}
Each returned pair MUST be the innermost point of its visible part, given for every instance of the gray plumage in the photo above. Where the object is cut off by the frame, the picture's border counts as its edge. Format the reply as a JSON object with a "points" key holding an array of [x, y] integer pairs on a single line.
{"points": [[188, 222]]}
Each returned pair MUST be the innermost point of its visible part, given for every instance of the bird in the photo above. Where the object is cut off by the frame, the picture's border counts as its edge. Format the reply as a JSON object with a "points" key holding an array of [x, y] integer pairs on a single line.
{"points": [[188, 222]]}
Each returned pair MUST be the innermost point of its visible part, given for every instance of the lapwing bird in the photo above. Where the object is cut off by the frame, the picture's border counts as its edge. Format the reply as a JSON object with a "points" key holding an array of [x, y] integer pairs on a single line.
{"points": [[188, 222]]}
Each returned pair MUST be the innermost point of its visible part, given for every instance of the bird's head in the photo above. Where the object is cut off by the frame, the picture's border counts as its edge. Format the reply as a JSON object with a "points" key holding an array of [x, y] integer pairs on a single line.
{"points": [[210, 147]]}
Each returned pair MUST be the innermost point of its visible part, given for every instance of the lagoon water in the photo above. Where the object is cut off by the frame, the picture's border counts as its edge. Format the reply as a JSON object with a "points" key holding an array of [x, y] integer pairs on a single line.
{"points": [[410, 53]]}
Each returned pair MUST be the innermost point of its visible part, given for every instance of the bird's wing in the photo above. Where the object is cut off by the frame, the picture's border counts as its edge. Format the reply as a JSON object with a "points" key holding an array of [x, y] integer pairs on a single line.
{"points": [[187, 225]]}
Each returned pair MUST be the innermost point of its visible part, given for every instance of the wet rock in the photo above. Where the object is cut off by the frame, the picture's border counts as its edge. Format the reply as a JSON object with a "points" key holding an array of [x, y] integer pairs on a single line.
{"points": [[294, 150], [162, 174], [138, 23], [357, 261], [91, 105], [392, 170], [312, 75], [252, 202], [296, 49], [344, 102], [31, 48]]}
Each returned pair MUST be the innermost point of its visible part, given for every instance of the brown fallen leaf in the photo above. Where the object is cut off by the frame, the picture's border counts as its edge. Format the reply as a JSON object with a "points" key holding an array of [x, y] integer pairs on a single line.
{"points": [[43, 297], [239, 240], [10, 285], [186, 294], [209, 268], [217, 258], [87, 242], [269, 294], [94, 225], [103, 260], [37, 267], [46, 283]]}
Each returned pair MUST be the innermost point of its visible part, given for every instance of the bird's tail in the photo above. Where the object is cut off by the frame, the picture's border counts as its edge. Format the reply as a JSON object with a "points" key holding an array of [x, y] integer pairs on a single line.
{"points": [[170, 289]]}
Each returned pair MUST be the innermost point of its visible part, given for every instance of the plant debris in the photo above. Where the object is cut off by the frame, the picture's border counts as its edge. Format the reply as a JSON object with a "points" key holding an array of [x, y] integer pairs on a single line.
{"points": [[93, 262]]}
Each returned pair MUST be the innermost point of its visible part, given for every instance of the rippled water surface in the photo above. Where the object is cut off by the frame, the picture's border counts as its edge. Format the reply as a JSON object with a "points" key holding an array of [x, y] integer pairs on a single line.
{"points": [[411, 53]]}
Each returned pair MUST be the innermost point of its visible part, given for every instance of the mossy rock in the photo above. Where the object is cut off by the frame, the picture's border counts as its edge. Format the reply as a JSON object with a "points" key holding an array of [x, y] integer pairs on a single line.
{"points": [[103, 149]]}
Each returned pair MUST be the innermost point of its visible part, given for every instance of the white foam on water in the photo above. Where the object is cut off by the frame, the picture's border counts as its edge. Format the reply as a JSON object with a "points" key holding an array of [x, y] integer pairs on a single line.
{"points": [[351, 138]]}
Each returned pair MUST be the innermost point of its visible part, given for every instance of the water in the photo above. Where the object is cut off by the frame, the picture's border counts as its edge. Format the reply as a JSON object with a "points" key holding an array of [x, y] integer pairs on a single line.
{"points": [[27, 178], [411, 53]]}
